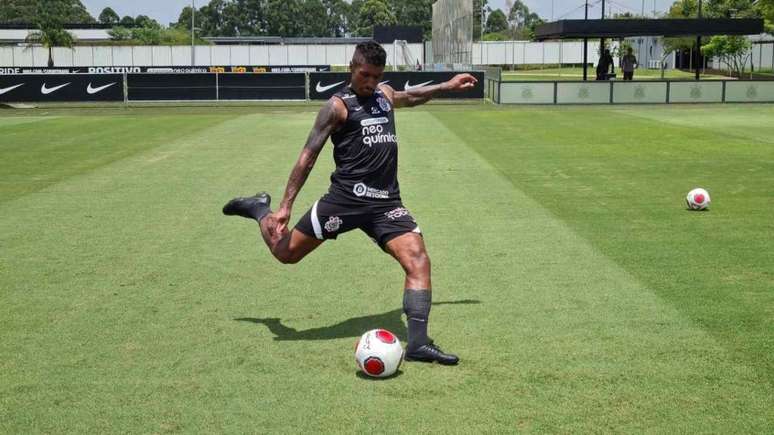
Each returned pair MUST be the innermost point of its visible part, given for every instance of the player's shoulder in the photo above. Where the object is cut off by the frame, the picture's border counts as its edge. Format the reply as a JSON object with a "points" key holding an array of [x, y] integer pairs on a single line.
{"points": [[336, 105], [387, 91]]}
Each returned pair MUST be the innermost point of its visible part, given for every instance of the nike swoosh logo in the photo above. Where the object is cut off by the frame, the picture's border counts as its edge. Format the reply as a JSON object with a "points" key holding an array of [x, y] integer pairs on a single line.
{"points": [[409, 87], [45, 91], [320, 88], [93, 91], [9, 89], [384, 82]]}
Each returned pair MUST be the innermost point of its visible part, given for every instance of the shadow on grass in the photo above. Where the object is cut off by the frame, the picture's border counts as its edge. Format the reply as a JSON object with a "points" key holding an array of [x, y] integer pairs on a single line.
{"points": [[353, 327], [365, 377]]}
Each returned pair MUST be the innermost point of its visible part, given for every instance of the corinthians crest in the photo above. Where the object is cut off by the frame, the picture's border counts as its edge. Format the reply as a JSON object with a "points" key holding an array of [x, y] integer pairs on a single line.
{"points": [[383, 104], [695, 92], [333, 224], [584, 93], [752, 92], [527, 93], [639, 92]]}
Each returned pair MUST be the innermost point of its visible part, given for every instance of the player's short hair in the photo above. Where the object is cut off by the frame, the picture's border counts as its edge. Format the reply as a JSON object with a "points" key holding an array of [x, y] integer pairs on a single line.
{"points": [[371, 53]]}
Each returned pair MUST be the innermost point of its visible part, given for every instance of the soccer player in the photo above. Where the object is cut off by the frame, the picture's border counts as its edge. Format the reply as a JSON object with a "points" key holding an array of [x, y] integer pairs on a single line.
{"points": [[364, 190]]}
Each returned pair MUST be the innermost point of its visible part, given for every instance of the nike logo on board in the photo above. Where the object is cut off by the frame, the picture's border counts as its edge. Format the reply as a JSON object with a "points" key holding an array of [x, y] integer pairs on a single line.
{"points": [[320, 88], [9, 89], [93, 91], [45, 91]]}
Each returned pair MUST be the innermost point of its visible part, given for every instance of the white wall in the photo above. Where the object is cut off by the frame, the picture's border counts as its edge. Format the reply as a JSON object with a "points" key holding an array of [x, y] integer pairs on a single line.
{"points": [[272, 55], [532, 53]]}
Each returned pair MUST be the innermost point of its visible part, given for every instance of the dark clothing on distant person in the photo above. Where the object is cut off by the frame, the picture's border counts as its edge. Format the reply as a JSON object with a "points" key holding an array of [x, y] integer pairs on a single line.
{"points": [[603, 68]]}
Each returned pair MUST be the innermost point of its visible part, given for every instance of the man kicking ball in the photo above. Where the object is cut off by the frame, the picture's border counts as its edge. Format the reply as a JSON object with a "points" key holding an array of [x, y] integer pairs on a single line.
{"points": [[364, 190]]}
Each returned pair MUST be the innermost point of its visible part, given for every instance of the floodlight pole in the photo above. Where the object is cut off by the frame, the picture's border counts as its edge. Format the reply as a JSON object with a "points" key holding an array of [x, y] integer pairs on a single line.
{"points": [[586, 47], [193, 33], [602, 40], [698, 50]]}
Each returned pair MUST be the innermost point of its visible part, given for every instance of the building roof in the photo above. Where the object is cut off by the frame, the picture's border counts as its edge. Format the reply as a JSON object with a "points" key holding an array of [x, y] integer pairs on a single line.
{"points": [[574, 29], [18, 36], [279, 40]]}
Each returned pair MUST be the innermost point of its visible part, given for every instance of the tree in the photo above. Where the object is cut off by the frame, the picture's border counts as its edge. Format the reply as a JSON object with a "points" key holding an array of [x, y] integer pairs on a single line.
{"points": [[373, 13], [28, 11], [765, 9], [119, 33], [521, 20], [338, 12], [497, 22], [282, 18], [315, 22], [414, 13], [127, 21], [480, 7], [733, 51], [109, 16], [146, 21], [51, 32]]}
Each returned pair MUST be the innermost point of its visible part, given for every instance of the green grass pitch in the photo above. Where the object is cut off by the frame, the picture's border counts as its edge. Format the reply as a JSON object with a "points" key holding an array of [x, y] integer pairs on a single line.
{"points": [[568, 275]]}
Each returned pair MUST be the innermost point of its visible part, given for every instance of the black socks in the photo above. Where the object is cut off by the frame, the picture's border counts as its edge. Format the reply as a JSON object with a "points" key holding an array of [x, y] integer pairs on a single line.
{"points": [[416, 305]]}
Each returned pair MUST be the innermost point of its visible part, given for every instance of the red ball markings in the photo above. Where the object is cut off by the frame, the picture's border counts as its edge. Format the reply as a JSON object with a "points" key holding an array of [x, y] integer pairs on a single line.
{"points": [[699, 199], [373, 366], [385, 336]]}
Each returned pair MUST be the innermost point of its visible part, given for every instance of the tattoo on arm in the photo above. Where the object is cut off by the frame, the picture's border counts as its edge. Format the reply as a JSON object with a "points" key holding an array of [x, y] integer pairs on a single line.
{"points": [[416, 96], [326, 123]]}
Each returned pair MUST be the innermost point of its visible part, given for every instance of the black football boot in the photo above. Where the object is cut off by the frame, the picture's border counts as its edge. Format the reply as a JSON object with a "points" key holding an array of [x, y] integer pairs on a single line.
{"points": [[431, 353], [251, 207]]}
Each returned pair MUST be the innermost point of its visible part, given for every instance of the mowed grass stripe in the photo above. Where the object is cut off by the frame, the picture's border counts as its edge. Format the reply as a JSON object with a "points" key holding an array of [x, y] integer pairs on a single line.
{"points": [[119, 313], [597, 347], [619, 177], [38, 152]]}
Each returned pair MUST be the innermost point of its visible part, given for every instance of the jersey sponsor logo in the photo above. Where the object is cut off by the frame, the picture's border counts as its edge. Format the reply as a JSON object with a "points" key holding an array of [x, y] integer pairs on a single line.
{"points": [[10, 88], [408, 86], [384, 104], [333, 224], [374, 121], [360, 190], [374, 134], [92, 91], [46, 90], [322, 88]]}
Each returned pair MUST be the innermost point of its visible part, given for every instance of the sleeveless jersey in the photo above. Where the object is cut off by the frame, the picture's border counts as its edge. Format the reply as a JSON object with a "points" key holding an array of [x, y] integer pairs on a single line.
{"points": [[365, 150]]}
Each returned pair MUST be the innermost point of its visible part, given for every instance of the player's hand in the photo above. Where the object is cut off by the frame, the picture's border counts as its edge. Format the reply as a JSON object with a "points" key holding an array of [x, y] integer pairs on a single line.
{"points": [[461, 82], [281, 218]]}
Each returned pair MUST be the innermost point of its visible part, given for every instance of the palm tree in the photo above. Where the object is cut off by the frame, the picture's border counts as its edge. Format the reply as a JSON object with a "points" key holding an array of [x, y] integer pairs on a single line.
{"points": [[51, 34]]}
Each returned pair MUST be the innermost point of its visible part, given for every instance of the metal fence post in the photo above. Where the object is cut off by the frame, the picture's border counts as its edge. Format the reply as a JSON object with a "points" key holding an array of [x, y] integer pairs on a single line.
{"points": [[126, 89], [217, 86]]}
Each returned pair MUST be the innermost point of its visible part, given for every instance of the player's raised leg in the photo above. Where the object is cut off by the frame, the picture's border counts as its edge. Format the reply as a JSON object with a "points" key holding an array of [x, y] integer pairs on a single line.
{"points": [[289, 247], [409, 250]]}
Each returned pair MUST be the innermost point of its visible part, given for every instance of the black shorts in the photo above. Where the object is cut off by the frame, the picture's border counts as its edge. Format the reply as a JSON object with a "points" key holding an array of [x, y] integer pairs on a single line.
{"points": [[382, 223]]}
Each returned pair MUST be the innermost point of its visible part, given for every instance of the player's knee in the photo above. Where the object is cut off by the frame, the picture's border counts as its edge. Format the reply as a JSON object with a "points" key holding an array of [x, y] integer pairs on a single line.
{"points": [[286, 257], [418, 263]]}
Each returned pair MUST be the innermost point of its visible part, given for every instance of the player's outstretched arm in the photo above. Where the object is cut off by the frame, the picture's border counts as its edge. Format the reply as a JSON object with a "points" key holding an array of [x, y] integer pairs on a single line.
{"points": [[330, 117], [416, 96]]}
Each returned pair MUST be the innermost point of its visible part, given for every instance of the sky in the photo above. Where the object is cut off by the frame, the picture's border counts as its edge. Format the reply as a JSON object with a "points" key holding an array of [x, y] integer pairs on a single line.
{"points": [[167, 11]]}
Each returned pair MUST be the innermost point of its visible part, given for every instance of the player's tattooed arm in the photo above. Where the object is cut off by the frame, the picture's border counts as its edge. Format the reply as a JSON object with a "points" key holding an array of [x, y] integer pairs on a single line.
{"points": [[421, 95], [330, 117]]}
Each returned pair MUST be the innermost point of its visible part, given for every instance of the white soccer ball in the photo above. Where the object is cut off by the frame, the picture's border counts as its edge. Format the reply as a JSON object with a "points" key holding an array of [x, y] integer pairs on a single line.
{"points": [[378, 353], [698, 199]]}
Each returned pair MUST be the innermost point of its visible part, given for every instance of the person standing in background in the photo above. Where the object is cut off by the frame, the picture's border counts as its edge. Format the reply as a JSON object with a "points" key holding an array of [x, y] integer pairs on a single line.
{"points": [[628, 63]]}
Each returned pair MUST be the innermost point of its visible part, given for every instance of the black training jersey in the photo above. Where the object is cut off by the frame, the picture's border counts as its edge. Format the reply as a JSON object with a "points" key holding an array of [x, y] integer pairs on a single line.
{"points": [[365, 150]]}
